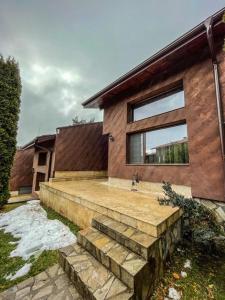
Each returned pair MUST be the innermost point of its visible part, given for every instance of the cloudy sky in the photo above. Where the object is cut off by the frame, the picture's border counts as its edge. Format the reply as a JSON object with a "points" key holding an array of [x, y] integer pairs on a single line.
{"points": [[69, 49]]}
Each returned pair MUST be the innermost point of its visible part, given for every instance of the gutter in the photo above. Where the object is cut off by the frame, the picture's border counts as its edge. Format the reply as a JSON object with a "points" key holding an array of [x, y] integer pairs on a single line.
{"points": [[209, 32]]}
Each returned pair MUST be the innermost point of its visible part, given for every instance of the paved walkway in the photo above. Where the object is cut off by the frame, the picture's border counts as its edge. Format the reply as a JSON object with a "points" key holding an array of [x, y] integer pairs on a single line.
{"points": [[21, 198], [52, 284]]}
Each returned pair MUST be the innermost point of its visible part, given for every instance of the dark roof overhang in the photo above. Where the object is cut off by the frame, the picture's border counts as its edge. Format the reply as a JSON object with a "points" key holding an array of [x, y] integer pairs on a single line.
{"points": [[36, 142], [184, 46]]}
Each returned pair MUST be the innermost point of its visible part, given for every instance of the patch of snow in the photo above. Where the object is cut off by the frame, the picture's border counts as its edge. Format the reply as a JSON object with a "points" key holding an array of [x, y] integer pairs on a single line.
{"points": [[187, 264], [174, 294], [21, 272], [36, 232], [183, 274]]}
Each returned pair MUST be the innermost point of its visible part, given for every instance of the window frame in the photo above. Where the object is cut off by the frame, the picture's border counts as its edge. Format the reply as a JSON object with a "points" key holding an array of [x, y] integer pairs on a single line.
{"points": [[151, 99], [144, 146]]}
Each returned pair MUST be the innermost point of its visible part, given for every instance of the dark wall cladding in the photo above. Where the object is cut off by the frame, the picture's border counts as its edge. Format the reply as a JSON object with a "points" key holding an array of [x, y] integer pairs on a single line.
{"points": [[204, 173], [81, 148], [21, 172]]}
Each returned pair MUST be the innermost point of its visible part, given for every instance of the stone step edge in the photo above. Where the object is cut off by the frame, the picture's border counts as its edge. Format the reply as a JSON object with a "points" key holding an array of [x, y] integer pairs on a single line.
{"points": [[124, 240], [117, 269], [77, 281]]}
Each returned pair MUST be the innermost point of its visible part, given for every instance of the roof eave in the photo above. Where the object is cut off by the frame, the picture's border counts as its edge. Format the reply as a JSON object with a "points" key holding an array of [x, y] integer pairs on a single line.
{"points": [[95, 100]]}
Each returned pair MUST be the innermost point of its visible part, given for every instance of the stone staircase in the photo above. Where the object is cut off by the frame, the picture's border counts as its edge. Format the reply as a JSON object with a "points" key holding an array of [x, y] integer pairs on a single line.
{"points": [[113, 260]]}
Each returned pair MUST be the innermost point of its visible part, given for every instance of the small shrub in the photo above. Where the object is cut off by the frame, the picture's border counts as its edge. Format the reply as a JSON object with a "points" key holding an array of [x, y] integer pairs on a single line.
{"points": [[199, 223]]}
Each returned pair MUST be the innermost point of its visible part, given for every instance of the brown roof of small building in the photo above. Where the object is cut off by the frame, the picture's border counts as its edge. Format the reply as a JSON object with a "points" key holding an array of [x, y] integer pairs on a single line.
{"points": [[38, 140], [182, 47]]}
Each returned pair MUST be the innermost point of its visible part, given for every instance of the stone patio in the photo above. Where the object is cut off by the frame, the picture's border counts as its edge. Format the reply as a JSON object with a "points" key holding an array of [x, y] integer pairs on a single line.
{"points": [[81, 200], [52, 284], [126, 239]]}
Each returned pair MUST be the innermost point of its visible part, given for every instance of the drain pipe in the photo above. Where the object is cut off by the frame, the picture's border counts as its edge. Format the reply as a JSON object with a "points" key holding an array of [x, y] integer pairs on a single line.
{"points": [[209, 32], [209, 25]]}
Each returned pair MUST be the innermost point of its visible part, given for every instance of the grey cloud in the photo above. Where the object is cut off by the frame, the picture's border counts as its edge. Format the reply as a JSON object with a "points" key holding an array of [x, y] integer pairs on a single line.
{"points": [[95, 40]]}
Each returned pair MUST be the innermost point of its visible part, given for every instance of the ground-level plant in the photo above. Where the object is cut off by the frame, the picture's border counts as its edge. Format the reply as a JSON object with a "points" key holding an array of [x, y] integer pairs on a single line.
{"points": [[199, 224], [203, 279]]}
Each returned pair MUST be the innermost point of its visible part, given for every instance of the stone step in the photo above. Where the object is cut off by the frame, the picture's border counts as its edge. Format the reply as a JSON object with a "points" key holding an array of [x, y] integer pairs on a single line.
{"points": [[92, 280], [130, 268], [134, 239]]}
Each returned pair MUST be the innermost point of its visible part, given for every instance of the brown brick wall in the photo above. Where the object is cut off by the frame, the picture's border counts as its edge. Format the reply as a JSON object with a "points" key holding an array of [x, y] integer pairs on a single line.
{"points": [[81, 148], [21, 172], [221, 60], [205, 172]]}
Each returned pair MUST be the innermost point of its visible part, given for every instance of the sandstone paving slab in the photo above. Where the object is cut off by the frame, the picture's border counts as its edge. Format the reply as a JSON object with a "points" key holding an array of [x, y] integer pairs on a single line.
{"points": [[21, 198], [119, 204], [134, 239], [114, 259], [90, 277], [52, 284]]}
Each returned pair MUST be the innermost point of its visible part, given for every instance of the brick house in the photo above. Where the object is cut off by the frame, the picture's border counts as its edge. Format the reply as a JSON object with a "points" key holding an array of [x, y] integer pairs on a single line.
{"points": [[74, 151], [176, 95], [80, 150], [164, 121], [42, 167], [21, 173]]}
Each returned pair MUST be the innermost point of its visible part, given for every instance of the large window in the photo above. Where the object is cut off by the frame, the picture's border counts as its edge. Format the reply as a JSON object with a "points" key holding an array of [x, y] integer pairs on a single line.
{"points": [[163, 146], [164, 103]]}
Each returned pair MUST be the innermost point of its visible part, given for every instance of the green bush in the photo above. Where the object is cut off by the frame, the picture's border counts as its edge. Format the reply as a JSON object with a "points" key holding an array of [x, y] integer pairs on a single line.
{"points": [[199, 223], [10, 91]]}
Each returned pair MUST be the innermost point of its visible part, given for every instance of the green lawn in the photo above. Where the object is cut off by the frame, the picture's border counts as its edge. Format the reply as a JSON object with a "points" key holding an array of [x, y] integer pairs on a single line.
{"points": [[205, 280], [8, 207], [54, 215], [13, 264]]}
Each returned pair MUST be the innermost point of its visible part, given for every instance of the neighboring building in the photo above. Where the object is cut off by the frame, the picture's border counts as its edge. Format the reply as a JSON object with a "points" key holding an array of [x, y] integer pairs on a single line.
{"points": [[173, 152], [43, 159], [75, 151], [81, 148], [177, 94], [21, 173]]}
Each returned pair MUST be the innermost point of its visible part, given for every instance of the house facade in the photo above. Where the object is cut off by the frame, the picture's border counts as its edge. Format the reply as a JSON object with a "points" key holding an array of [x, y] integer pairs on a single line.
{"points": [[81, 150], [165, 118], [21, 173], [43, 159], [164, 122], [74, 151]]}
